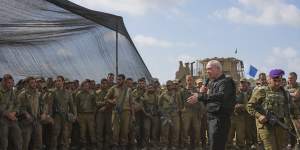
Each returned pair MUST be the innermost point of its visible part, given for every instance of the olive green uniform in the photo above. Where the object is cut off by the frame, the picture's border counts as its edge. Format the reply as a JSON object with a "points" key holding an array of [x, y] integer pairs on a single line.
{"points": [[103, 121], [169, 107], [121, 113], [136, 132], [238, 121], [86, 108], [63, 113], [151, 120], [273, 137], [9, 130], [32, 105], [293, 89], [251, 131], [190, 118]]}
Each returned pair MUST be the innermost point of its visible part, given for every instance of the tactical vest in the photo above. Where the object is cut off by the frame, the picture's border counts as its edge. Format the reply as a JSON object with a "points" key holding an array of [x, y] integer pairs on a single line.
{"points": [[275, 102]]}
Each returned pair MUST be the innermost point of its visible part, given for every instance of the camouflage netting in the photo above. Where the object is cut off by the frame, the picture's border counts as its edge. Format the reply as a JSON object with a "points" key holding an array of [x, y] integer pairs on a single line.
{"points": [[57, 37]]}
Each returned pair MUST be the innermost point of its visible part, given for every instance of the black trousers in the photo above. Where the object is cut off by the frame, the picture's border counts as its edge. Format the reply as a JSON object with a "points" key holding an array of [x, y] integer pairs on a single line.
{"points": [[218, 129]]}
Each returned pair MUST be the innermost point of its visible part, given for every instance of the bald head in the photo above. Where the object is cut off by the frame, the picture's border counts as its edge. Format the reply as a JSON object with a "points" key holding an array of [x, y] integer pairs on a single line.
{"points": [[214, 69]]}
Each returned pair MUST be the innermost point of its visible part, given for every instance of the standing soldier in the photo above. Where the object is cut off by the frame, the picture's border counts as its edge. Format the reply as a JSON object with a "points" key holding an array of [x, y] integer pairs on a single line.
{"points": [[32, 112], [238, 126], [203, 120], [272, 100], [129, 83], [9, 107], [103, 118], [86, 108], [151, 120], [63, 113], [120, 97], [261, 83], [157, 87], [169, 107], [110, 78], [251, 132], [190, 115], [294, 90], [137, 126]]}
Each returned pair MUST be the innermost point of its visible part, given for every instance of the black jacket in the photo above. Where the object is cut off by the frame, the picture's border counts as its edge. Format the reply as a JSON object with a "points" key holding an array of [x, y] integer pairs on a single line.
{"points": [[220, 98]]}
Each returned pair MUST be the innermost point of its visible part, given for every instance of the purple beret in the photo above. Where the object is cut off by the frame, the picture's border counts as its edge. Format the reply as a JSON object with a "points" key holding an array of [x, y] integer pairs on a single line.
{"points": [[274, 73]]}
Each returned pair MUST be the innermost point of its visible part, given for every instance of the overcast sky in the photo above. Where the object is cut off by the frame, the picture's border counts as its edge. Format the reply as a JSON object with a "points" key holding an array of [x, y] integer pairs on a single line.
{"points": [[265, 32]]}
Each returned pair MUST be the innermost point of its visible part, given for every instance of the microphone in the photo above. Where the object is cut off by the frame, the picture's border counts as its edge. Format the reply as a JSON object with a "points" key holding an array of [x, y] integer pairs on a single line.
{"points": [[206, 82]]}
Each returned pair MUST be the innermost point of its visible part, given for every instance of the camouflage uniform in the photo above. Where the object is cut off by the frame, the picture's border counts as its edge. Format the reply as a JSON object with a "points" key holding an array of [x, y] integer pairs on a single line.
{"points": [[63, 113], [9, 130], [103, 121], [86, 108], [32, 105], [169, 107], [273, 137], [121, 114]]}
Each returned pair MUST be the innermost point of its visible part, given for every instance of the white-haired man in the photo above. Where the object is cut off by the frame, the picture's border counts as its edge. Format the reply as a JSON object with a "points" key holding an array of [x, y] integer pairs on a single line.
{"points": [[218, 94]]}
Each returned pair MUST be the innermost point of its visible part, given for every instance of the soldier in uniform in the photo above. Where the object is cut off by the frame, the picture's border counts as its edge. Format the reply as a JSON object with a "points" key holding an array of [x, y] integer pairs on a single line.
{"points": [[120, 98], [86, 108], [190, 115], [203, 120], [169, 107], [32, 112], [294, 90], [137, 126], [238, 119], [129, 83], [9, 107], [110, 78], [157, 87], [63, 113], [103, 118], [272, 99], [251, 132], [151, 120]]}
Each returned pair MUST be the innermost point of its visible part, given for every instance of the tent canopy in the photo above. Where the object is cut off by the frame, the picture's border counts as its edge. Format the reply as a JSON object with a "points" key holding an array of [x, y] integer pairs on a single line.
{"points": [[57, 37]]}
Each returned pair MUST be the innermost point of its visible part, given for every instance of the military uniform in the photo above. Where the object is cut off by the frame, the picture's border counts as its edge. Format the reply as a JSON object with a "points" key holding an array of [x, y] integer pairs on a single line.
{"points": [[293, 89], [273, 137], [86, 108], [169, 107], [137, 126], [31, 105], [63, 113], [190, 118], [103, 121], [259, 141], [9, 130], [151, 120], [121, 114], [250, 126], [238, 121]]}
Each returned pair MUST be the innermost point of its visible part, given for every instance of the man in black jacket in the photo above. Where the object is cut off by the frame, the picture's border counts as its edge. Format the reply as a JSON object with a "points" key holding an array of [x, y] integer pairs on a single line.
{"points": [[218, 94]]}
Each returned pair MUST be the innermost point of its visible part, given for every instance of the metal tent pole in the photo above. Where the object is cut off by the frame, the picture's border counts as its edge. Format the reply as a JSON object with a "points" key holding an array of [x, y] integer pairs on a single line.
{"points": [[117, 50]]}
